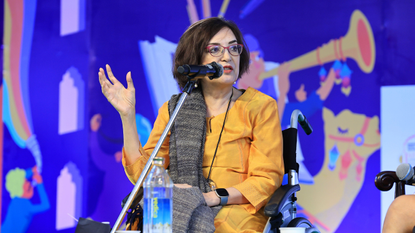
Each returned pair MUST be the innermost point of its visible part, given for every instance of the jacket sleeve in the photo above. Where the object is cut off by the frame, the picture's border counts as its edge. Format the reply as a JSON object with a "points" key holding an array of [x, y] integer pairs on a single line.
{"points": [[133, 171], [265, 161]]}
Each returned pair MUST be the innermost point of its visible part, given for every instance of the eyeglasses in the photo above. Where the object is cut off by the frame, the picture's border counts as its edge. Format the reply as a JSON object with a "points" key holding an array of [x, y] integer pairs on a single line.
{"points": [[218, 50]]}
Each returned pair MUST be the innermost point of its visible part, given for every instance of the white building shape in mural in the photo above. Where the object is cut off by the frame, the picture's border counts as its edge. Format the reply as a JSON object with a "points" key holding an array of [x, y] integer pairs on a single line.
{"points": [[72, 16], [71, 102], [68, 197]]}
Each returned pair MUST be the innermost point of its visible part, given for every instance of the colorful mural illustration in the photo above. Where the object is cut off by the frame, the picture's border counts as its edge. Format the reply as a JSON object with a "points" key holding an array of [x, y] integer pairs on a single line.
{"points": [[350, 139], [17, 116], [71, 102], [346, 65], [68, 196], [112, 176], [21, 210], [159, 79], [114, 173], [72, 16], [357, 44], [17, 40]]}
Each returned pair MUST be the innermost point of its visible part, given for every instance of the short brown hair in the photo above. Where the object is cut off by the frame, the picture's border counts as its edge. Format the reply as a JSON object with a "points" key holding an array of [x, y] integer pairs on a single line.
{"points": [[194, 40]]}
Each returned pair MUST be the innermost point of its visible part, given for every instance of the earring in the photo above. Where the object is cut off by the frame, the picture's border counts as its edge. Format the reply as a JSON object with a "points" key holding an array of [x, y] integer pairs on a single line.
{"points": [[234, 83]]}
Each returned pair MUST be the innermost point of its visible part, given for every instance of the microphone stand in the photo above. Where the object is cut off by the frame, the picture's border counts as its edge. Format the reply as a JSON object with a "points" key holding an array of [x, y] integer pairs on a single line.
{"points": [[186, 91]]}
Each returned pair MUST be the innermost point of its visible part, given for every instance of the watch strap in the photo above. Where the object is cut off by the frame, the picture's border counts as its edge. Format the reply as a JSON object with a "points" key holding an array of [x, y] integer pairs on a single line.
{"points": [[223, 200]]}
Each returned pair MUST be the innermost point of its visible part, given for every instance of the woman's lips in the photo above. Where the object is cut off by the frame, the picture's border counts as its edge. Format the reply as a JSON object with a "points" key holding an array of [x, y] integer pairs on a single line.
{"points": [[227, 69]]}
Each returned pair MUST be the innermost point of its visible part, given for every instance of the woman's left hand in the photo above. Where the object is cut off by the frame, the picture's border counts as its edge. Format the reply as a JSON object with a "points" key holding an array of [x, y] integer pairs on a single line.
{"points": [[211, 198]]}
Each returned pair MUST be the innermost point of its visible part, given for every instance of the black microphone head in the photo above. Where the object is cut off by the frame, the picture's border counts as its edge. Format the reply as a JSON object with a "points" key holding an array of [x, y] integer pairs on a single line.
{"points": [[405, 171], [219, 70], [184, 69]]}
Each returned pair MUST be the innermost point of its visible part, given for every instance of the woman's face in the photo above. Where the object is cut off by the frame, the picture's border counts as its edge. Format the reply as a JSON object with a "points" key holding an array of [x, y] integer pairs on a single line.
{"points": [[225, 38]]}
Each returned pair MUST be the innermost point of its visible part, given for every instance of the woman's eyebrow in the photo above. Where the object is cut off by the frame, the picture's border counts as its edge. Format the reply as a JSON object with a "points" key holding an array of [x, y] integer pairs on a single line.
{"points": [[230, 42]]}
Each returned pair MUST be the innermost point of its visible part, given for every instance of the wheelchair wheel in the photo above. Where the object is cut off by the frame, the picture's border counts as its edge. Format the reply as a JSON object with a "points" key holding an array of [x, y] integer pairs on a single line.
{"points": [[300, 222], [303, 222]]}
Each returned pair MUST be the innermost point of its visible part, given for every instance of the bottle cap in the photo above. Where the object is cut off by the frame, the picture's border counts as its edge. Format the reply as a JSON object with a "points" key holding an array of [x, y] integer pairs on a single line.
{"points": [[158, 161]]}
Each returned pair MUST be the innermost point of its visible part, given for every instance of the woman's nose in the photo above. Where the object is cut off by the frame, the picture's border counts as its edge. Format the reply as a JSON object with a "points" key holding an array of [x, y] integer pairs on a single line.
{"points": [[226, 56]]}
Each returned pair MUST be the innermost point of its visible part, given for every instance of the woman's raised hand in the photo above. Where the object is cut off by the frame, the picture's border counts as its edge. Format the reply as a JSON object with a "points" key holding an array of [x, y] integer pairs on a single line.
{"points": [[123, 99]]}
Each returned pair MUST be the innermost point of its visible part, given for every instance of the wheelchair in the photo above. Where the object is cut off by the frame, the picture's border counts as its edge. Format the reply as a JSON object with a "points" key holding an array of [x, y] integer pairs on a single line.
{"points": [[281, 208]]}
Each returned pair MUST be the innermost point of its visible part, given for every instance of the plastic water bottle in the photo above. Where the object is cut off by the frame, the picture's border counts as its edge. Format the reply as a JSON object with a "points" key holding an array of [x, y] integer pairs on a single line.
{"points": [[158, 199]]}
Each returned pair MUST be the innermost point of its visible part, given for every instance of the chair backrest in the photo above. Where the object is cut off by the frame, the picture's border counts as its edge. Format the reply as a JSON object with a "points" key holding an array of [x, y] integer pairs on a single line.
{"points": [[384, 182]]}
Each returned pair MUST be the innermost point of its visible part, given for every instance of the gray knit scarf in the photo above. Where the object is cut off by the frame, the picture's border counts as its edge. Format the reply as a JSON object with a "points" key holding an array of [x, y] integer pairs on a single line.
{"points": [[186, 149]]}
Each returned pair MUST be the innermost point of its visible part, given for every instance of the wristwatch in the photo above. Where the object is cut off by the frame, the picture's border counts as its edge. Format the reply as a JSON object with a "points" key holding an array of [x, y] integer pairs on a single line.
{"points": [[223, 195]]}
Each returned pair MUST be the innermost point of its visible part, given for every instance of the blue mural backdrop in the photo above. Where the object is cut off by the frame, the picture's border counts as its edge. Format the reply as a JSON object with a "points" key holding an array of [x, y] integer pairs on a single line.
{"points": [[62, 141]]}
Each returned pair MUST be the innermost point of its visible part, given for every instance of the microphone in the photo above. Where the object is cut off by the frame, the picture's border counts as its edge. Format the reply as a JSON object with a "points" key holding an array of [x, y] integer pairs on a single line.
{"points": [[405, 172], [213, 70]]}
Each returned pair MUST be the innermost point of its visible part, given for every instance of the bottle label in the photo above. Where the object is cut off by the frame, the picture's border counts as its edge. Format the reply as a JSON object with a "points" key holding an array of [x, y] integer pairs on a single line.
{"points": [[158, 202], [161, 214]]}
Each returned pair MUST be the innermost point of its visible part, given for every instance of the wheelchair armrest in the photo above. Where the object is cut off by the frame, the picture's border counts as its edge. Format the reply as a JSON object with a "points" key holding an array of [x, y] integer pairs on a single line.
{"points": [[279, 198], [137, 198], [384, 182]]}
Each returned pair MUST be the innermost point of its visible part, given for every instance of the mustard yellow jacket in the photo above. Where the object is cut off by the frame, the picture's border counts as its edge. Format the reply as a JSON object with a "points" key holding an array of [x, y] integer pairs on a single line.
{"points": [[249, 157]]}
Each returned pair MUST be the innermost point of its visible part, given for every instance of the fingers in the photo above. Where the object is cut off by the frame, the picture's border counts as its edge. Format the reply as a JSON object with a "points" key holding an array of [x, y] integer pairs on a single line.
{"points": [[108, 83], [111, 75], [130, 84], [103, 78]]}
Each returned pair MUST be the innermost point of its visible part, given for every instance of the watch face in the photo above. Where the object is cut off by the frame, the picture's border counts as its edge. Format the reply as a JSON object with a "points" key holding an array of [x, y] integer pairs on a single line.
{"points": [[222, 192]]}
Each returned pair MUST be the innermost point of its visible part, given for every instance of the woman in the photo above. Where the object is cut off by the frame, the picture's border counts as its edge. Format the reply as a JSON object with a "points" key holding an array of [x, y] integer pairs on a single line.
{"points": [[230, 137]]}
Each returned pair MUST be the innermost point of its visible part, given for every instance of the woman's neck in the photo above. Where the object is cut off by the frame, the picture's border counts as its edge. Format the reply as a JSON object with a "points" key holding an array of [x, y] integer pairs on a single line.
{"points": [[217, 99]]}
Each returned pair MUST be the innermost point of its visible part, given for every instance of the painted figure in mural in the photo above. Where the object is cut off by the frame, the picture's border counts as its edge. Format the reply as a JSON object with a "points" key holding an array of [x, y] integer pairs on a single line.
{"points": [[248, 164], [350, 139], [21, 210], [109, 198], [278, 87], [400, 217]]}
